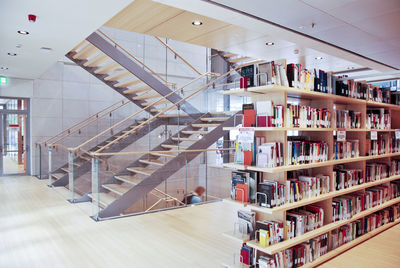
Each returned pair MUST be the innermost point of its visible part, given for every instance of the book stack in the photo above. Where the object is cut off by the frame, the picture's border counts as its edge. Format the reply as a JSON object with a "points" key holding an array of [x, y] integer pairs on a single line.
{"points": [[378, 94], [394, 167], [246, 255], [349, 88], [394, 145], [346, 149], [376, 171], [268, 114], [306, 187], [303, 220], [343, 207], [269, 155], [269, 232], [306, 117], [345, 178], [271, 194], [277, 261], [306, 152], [348, 119], [378, 146], [272, 73], [244, 186], [378, 195], [395, 189], [346, 233], [246, 221], [378, 118]]}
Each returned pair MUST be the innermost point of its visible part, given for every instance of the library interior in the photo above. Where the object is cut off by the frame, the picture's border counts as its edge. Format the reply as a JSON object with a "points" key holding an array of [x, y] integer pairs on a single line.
{"points": [[200, 133]]}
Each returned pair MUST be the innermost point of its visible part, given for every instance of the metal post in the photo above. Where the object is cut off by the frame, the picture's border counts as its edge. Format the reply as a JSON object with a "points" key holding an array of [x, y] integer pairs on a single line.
{"points": [[50, 164], [71, 175], [205, 159], [95, 188], [179, 122], [40, 161], [186, 177]]}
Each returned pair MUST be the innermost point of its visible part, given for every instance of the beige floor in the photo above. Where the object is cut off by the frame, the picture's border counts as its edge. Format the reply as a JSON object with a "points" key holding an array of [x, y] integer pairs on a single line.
{"points": [[38, 228], [10, 166]]}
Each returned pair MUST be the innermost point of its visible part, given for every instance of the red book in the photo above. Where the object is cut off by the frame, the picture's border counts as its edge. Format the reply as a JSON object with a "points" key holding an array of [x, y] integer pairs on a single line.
{"points": [[249, 118], [261, 121], [242, 192]]}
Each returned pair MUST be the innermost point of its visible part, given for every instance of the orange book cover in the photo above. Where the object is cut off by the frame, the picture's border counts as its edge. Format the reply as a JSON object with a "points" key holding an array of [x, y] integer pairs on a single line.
{"points": [[248, 158], [242, 192], [249, 119]]}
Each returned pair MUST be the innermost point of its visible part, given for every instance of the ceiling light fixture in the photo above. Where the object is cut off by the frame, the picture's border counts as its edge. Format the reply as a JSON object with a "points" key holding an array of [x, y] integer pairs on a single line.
{"points": [[3, 68], [318, 58], [46, 49], [302, 27], [23, 32], [196, 23], [18, 46], [269, 43], [11, 54]]}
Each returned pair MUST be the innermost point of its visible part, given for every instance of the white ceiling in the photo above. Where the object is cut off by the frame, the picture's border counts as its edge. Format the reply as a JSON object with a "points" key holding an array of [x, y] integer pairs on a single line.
{"points": [[330, 32], [368, 27], [60, 25]]}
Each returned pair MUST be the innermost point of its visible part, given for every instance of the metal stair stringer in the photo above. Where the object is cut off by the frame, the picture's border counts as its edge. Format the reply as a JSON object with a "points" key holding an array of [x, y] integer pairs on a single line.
{"points": [[139, 191], [137, 70], [86, 166]]}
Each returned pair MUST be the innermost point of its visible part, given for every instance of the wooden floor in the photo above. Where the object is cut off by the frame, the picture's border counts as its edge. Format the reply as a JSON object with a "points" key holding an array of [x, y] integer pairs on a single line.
{"points": [[38, 228], [382, 250], [10, 166]]}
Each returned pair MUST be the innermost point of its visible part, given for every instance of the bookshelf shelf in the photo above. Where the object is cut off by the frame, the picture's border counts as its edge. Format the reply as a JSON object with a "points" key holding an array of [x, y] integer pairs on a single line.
{"points": [[322, 230], [355, 242], [321, 197], [287, 107], [237, 236], [307, 166]]}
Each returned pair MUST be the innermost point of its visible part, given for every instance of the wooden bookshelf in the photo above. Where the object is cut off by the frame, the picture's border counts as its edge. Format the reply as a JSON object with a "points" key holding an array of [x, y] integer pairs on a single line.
{"points": [[280, 95]]}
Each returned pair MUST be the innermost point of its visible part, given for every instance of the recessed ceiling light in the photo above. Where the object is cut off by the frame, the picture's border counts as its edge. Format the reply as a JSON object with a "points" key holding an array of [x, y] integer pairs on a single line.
{"points": [[11, 54], [269, 43], [302, 27], [197, 23], [23, 32], [46, 49], [18, 46], [350, 68], [3, 68], [318, 58]]}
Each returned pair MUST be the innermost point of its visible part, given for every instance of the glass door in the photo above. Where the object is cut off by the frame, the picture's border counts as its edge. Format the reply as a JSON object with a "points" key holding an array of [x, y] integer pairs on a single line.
{"points": [[14, 135]]}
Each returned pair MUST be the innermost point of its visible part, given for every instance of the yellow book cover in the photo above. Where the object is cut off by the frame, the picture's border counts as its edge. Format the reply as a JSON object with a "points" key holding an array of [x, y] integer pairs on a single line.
{"points": [[263, 238]]}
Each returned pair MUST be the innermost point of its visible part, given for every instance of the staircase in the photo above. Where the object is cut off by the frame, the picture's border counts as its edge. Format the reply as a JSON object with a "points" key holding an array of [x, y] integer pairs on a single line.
{"points": [[140, 177]]}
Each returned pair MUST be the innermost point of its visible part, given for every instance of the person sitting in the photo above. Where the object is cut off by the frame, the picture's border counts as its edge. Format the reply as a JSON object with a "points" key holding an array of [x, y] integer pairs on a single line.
{"points": [[195, 196]]}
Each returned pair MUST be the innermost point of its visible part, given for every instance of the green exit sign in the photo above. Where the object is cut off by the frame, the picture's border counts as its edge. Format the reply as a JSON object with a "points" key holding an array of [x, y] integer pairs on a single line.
{"points": [[3, 80]]}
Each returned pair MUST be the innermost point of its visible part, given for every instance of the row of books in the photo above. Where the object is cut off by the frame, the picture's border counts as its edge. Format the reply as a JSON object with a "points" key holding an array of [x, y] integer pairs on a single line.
{"points": [[302, 220], [262, 114], [345, 178], [307, 117], [244, 186], [350, 88], [378, 118], [269, 155], [376, 171], [377, 94], [346, 149], [306, 152], [394, 167], [272, 194], [384, 144], [348, 119]]}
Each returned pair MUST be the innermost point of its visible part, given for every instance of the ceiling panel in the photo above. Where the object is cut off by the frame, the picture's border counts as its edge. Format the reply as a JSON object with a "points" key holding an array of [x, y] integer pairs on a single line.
{"points": [[378, 25]]}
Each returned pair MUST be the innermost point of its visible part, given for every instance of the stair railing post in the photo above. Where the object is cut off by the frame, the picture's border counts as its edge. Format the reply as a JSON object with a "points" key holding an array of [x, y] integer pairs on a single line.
{"points": [[95, 188], [71, 174], [179, 125], [50, 163], [186, 179], [40, 161]]}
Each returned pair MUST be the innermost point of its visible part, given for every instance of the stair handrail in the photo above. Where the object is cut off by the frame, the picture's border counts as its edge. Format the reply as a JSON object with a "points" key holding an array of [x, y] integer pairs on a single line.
{"points": [[136, 113], [176, 104], [177, 54], [135, 58], [68, 130], [94, 154]]}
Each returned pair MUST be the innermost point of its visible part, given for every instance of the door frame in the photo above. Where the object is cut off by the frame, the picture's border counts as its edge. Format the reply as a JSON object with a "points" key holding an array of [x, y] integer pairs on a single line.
{"points": [[5, 112]]}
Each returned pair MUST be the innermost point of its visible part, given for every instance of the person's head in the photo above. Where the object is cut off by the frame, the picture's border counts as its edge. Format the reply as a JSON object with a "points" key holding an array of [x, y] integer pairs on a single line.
{"points": [[199, 190]]}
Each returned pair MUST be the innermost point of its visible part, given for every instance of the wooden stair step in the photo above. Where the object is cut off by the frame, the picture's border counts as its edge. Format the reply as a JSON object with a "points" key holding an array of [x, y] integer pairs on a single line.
{"points": [[128, 83], [171, 155], [117, 75], [158, 110], [85, 52], [184, 139], [58, 175], [205, 125], [214, 119], [109, 67], [96, 60], [79, 45], [147, 96], [135, 90], [141, 170], [65, 169], [171, 146], [239, 59], [173, 115], [104, 198], [192, 132], [165, 101], [229, 55], [117, 188], [128, 179], [154, 162]]}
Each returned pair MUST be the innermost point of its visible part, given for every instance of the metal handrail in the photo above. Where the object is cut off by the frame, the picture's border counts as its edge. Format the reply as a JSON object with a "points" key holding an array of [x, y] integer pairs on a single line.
{"points": [[68, 130], [176, 54], [164, 152], [134, 114], [136, 59]]}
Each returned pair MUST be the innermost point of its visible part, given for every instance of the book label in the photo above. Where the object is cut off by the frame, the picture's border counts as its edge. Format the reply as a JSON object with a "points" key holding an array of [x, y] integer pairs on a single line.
{"points": [[246, 134], [341, 135], [374, 135], [397, 133]]}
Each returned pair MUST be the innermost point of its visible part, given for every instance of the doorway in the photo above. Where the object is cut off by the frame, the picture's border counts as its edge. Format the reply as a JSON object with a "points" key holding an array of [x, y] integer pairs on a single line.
{"points": [[14, 136]]}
